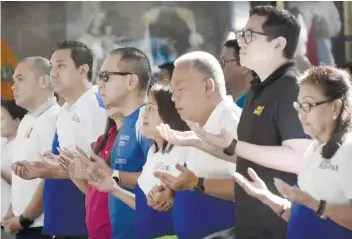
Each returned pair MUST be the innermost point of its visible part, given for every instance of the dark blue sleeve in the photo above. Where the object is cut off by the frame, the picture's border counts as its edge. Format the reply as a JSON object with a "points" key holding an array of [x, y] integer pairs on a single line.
{"points": [[55, 144]]}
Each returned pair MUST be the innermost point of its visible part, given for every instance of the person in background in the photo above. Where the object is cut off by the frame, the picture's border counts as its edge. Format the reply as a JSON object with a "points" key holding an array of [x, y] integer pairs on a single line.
{"points": [[32, 91], [11, 116], [237, 77], [320, 205], [166, 71]]}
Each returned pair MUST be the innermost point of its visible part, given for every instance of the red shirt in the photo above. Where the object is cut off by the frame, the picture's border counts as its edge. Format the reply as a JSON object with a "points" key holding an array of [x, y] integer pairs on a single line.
{"points": [[97, 211]]}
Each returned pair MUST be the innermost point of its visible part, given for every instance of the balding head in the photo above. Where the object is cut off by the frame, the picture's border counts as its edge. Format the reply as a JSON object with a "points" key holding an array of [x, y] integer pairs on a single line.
{"points": [[39, 65], [31, 85], [205, 64], [198, 86]]}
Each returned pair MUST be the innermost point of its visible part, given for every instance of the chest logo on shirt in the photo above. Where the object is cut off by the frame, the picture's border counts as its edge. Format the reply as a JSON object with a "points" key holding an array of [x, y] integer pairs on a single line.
{"points": [[75, 118], [161, 166], [326, 164], [122, 142], [28, 133], [259, 110]]}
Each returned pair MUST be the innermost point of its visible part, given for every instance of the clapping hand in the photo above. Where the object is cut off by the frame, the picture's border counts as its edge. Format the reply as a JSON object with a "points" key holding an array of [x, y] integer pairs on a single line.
{"points": [[294, 194], [255, 188], [186, 138], [221, 140], [72, 164], [187, 180], [102, 181]]}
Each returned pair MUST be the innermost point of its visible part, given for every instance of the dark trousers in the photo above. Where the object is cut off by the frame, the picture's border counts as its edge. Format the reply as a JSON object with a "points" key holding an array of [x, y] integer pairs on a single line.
{"points": [[31, 233]]}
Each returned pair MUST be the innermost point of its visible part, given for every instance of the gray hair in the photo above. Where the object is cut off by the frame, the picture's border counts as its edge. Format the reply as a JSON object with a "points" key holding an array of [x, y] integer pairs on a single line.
{"points": [[206, 64]]}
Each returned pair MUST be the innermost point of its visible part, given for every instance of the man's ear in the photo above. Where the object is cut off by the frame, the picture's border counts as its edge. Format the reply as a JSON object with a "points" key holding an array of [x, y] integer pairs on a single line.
{"points": [[133, 82], [44, 81]]}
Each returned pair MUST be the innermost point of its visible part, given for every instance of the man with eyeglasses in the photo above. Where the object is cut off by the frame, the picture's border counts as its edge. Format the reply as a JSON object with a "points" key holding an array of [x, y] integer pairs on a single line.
{"points": [[270, 137], [237, 77], [123, 83]]}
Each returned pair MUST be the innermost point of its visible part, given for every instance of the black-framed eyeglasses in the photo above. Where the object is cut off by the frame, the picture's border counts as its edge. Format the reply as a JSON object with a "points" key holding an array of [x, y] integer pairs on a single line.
{"points": [[104, 75], [223, 62], [248, 34], [306, 107]]}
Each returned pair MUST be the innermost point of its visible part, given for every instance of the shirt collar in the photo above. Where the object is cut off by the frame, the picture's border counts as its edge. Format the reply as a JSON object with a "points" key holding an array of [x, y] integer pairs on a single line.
{"points": [[216, 114], [81, 98], [258, 84], [44, 107]]}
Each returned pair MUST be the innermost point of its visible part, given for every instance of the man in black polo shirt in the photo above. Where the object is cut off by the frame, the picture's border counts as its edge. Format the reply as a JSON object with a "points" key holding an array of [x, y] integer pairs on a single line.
{"points": [[270, 137]]}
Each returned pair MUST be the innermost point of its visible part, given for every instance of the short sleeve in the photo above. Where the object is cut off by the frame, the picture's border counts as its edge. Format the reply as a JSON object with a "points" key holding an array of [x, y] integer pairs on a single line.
{"points": [[46, 135], [285, 116], [92, 127]]}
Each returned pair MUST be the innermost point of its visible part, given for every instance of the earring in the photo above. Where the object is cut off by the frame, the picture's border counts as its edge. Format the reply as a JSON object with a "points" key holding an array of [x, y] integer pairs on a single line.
{"points": [[334, 118]]}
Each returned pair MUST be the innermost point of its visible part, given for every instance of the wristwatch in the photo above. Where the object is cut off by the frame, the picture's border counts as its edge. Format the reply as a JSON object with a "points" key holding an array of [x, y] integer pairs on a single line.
{"points": [[230, 150], [321, 209], [116, 176], [25, 222], [200, 186]]}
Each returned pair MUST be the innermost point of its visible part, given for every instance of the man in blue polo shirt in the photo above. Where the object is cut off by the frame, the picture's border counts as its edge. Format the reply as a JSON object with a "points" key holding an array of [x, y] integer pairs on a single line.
{"points": [[123, 83], [237, 77]]}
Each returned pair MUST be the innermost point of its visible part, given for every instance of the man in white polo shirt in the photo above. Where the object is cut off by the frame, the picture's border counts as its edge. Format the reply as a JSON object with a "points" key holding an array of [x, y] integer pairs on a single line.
{"points": [[32, 91], [203, 206], [80, 122]]}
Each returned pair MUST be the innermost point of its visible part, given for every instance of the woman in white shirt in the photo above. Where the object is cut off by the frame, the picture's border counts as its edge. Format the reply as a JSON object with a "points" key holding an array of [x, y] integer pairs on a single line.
{"points": [[320, 205], [162, 156], [11, 115]]}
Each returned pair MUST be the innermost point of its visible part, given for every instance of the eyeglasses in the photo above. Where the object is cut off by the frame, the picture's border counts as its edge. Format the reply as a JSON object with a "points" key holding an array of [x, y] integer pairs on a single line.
{"points": [[247, 35], [306, 107], [104, 75], [224, 62]]}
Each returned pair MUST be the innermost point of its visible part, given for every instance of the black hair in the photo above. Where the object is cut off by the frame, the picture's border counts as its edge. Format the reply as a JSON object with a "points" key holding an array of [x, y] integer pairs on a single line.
{"points": [[167, 111], [282, 23], [137, 62], [169, 66], [336, 84], [14, 110], [233, 43], [80, 54]]}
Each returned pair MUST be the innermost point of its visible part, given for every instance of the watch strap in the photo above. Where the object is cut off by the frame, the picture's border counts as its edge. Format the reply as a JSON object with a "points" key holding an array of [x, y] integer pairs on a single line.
{"points": [[230, 150], [200, 185], [25, 222]]}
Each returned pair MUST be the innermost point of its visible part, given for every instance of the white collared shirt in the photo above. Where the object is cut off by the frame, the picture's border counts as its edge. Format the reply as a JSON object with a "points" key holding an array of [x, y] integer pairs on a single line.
{"points": [[160, 162], [226, 115], [35, 135], [6, 162], [82, 123], [328, 179]]}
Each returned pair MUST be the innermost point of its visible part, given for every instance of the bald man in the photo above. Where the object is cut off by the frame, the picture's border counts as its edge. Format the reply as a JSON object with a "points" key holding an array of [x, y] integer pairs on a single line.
{"points": [[32, 90]]}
